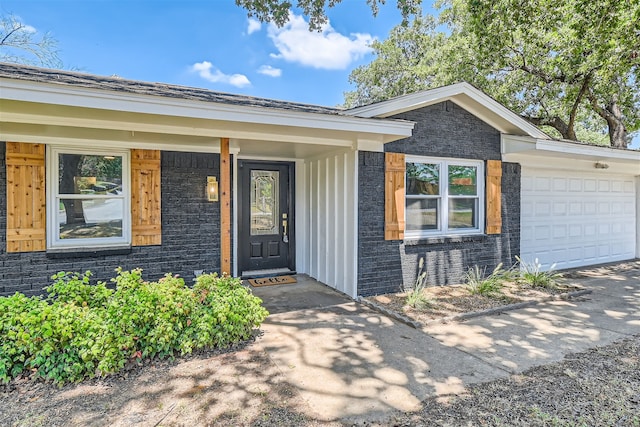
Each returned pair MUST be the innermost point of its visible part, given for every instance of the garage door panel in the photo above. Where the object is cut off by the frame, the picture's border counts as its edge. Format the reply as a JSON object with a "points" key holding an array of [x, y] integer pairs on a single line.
{"points": [[629, 208], [559, 184], [590, 185], [574, 219], [629, 187]]}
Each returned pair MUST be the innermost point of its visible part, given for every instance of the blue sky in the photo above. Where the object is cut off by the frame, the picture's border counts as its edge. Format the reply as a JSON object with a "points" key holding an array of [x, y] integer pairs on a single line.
{"points": [[211, 44]]}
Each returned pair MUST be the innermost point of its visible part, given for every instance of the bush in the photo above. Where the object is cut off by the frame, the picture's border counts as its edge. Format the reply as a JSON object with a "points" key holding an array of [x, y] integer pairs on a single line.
{"points": [[478, 283], [80, 330], [532, 274]]}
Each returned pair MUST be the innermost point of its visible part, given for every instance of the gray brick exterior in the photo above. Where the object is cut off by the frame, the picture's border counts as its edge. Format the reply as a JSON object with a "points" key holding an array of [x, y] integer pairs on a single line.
{"points": [[190, 233], [442, 130]]}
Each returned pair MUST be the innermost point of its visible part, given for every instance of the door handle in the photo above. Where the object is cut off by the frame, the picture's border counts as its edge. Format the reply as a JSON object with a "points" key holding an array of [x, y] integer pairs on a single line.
{"points": [[285, 237]]}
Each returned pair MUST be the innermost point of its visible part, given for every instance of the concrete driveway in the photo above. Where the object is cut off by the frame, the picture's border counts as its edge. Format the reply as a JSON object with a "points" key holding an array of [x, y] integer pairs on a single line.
{"points": [[352, 363]]}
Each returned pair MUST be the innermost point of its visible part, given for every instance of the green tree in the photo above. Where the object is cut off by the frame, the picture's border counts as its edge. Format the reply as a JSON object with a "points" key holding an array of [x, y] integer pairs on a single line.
{"points": [[570, 67], [277, 11], [565, 60], [22, 44]]}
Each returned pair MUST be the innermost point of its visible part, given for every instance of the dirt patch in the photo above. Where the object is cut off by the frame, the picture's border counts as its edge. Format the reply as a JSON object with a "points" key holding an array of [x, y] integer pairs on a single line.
{"points": [[243, 388], [451, 300], [235, 387], [598, 387]]}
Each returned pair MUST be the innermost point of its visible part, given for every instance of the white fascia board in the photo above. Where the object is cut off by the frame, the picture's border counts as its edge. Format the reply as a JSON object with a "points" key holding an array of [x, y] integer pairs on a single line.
{"points": [[530, 152], [594, 151], [406, 102], [48, 93], [451, 92]]}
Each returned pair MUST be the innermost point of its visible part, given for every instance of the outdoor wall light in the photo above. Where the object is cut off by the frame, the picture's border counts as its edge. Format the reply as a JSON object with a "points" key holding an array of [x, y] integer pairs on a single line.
{"points": [[601, 165], [212, 188]]}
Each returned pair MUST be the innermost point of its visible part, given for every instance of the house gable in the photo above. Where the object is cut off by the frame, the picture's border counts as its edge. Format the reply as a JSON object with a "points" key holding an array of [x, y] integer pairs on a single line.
{"points": [[448, 130], [463, 94]]}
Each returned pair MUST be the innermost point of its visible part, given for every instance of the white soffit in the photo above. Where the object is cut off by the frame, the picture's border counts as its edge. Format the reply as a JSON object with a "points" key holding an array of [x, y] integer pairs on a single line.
{"points": [[569, 155], [466, 96]]}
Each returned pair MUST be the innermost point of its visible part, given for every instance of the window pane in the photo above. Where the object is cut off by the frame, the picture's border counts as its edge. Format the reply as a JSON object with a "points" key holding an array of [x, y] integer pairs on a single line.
{"points": [[90, 219], [422, 214], [463, 213], [265, 197], [462, 180], [90, 174], [423, 178]]}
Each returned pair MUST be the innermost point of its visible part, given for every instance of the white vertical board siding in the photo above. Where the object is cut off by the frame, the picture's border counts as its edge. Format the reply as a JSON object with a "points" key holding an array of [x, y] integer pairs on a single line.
{"points": [[637, 216], [331, 221], [301, 216], [574, 219]]}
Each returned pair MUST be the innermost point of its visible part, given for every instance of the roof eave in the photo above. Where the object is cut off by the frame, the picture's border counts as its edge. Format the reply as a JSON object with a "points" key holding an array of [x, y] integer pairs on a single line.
{"points": [[467, 96], [50, 93]]}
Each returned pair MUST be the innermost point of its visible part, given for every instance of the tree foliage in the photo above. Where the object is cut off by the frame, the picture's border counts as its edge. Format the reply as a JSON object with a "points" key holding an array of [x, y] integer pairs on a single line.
{"points": [[572, 67], [277, 11], [22, 44], [566, 61]]}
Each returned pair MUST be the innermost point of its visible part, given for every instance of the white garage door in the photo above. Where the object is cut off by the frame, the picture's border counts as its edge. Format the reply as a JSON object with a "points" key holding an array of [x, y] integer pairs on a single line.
{"points": [[574, 219]]}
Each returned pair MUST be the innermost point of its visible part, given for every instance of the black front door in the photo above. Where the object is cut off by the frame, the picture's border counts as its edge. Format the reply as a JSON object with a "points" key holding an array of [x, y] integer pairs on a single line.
{"points": [[265, 216]]}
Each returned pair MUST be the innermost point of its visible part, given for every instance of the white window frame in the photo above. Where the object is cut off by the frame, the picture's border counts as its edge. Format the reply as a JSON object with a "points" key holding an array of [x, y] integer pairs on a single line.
{"points": [[444, 163], [53, 197]]}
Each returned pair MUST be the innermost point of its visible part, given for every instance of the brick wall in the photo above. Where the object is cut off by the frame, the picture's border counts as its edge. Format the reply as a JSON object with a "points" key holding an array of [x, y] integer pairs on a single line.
{"points": [[442, 130], [190, 233]]}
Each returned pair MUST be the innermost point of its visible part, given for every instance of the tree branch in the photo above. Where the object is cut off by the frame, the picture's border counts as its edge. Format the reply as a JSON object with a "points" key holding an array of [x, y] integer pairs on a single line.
{"points": [[576, 104], [555, 122]]}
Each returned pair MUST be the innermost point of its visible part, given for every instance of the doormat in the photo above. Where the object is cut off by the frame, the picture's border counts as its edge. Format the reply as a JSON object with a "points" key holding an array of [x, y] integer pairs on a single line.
{"points": [[270, 281]]}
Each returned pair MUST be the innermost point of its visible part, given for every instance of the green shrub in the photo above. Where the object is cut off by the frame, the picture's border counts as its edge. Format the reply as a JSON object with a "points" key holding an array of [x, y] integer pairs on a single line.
{"points": [[416, 297], [81, 331], [532, 274], [74, 288], [478, 283]]}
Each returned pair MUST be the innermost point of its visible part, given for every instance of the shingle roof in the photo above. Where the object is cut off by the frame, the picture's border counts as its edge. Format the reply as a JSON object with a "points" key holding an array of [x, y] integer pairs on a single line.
{"points": [[117, 84]]}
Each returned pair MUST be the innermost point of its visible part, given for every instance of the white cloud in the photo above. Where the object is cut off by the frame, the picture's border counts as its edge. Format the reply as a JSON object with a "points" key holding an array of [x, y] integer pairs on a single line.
{"points": [[268, 70], [254, 25], [29, 28], [207, 71], [17, 21], [327, 49]]}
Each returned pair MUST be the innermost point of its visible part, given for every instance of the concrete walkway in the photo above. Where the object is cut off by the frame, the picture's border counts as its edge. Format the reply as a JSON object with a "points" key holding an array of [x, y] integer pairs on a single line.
{"points": [[352, 363]]}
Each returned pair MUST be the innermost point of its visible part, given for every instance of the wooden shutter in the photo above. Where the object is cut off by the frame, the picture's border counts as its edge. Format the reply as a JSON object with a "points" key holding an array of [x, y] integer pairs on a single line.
{"points": [[394, 196], [26, 197], [146, 225], [494, 193]]}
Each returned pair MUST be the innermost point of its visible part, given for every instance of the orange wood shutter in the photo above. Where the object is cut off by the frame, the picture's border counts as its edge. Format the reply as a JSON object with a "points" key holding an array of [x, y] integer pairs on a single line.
{"points": [[394, 196], [494, 192], [26, 197], [225, 207], [146, 225]]}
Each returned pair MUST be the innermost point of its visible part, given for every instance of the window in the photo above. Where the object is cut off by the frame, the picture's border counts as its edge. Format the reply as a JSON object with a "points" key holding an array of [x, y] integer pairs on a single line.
{"points": [[443, 196], [88, 198]]}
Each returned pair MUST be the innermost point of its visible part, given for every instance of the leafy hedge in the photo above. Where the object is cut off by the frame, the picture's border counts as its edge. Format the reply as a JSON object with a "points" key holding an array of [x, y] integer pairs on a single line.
{"points": [[81, 330]]}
